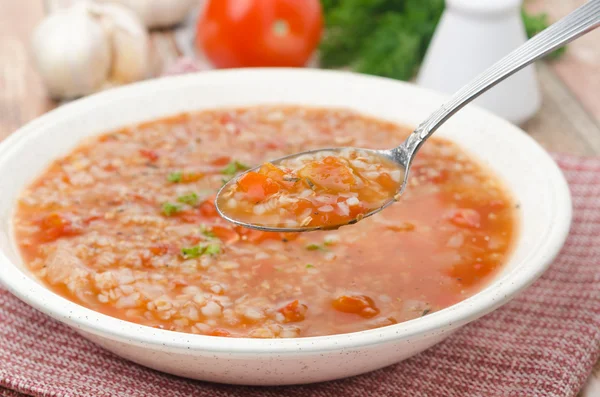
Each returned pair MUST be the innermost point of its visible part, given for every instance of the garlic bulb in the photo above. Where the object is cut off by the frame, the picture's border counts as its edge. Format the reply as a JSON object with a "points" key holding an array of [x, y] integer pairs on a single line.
{"points": [[87, 47], [129, 42], [158, 13], [71, 53]]}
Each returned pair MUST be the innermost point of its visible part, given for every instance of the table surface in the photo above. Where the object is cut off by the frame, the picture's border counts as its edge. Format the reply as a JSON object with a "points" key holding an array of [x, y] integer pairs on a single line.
{"points": [[568, 121]]}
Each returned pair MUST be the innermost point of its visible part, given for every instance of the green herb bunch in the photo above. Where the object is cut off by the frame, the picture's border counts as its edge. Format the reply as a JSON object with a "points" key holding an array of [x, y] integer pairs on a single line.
{"points": [[387, 37]]}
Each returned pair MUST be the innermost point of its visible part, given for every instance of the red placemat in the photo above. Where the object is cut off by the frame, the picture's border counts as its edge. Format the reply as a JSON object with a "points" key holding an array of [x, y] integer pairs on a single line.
{"points": [[543, 343]]}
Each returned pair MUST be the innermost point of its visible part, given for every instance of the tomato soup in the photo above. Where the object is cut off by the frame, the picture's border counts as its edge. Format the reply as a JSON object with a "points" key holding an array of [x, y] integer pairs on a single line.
{"points": [[126, 225]]}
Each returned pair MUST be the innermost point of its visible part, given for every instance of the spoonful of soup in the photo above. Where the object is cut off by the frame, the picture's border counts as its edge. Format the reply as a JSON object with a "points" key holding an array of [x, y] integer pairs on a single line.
{"points": [[329, 188]]}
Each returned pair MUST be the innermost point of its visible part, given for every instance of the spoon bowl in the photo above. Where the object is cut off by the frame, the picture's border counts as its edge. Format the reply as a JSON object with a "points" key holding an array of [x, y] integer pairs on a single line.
{"points": [[388, 156]]}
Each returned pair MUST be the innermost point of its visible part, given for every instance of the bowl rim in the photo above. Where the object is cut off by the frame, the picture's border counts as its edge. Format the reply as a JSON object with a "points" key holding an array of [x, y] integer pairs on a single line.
{"points": [[87, 320]]}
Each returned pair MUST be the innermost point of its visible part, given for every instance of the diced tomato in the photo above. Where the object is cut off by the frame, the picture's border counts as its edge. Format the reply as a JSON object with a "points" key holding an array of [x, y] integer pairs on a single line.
{"points": [[191, 216], [205, 211], [356, 304], [273, 145], [149, 154], [293, 311], [226, 234], [465, 217], [224, 119], [220, 332], [191, 177], [208, 209], [109, 167], [257, 236], [301, 206], [329, 173], [272, 172], [55, 226], [331, 218], [221, 161], [386, 182], [53, 220], [159, 249], [193, 240], [257, 186]]}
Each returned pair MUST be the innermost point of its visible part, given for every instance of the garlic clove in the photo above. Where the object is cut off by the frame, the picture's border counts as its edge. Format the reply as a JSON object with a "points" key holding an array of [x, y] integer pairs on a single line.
{"points": [[158, 13], [72, 53], [129, 41]]}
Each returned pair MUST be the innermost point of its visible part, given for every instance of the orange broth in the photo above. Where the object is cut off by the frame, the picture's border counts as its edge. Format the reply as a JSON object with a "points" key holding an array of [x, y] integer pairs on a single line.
{"points": [[126, 225]]}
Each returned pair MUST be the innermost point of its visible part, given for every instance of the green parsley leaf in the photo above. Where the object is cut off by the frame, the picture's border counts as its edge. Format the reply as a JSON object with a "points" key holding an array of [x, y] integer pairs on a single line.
{"points": [[315, 247], [199, 250], [170, 209], [175, 177], [190, 199], [309, 266], [234, 167], [192, 252], [212, 249], [389, 37]]}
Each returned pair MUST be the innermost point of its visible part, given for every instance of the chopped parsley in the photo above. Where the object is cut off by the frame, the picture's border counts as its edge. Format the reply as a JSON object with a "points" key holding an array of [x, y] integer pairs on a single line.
{"points": [[309, 266], [199, 250], [170, 209], [234, 167], [190, 199], [388, 37], [175, 177], [315, 247], [212, 249], [192, 252]]}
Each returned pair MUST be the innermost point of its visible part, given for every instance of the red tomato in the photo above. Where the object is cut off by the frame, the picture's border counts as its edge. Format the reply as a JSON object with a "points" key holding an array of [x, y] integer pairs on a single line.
{"points": [[252, 33], [356, 304], [293, 312]]}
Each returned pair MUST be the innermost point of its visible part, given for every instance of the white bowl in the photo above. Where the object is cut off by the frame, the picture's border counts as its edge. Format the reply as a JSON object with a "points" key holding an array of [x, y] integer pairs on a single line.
{"points": [[528, 170]]}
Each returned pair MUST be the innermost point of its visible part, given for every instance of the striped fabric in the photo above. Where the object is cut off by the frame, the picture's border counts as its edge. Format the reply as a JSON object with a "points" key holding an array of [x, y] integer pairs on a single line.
{"points": [[543, 343]]}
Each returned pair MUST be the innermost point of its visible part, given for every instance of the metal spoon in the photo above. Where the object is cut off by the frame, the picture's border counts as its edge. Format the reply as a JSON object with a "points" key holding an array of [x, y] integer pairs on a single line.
{"points": [[579, 22]]}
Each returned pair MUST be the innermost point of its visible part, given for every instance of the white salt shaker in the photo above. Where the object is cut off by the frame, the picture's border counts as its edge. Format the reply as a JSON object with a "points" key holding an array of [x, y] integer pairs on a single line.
{"points": [[471, 36]]}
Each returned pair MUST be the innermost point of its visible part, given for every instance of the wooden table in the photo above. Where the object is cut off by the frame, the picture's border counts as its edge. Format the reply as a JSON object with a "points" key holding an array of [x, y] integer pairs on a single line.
{"points": [[569, 120]]}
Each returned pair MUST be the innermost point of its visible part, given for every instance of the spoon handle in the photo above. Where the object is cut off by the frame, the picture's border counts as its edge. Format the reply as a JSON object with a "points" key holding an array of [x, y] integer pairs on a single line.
{"points": [[583, 20]]}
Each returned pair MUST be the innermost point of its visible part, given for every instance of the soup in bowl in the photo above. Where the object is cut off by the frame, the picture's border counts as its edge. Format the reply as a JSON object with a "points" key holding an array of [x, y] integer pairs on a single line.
{"points": [[111, 227]]}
